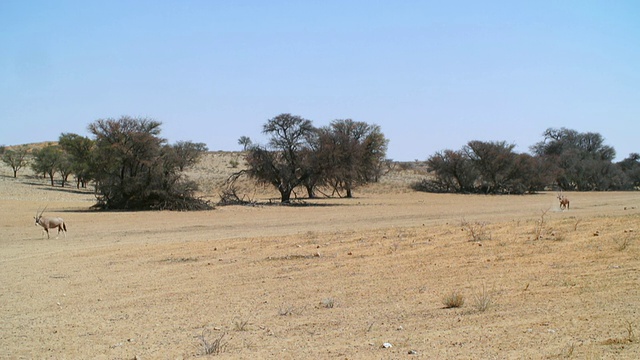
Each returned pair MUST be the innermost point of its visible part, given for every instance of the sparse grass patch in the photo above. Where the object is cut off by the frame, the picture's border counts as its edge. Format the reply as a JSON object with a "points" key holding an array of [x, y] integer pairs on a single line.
{"points": [[482, 300], [328, 303], [477, 230], [288, 310], [240, 324], [568, 352], [179, 259], [624, 242], [575, 225], [213, 347], [453, 300], [293, 257], [540, 227], [631, 336], [558, 236]]}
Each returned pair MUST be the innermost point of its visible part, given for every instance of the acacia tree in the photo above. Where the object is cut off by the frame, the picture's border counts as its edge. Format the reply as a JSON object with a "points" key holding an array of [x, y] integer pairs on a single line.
{"points": [[349, 154], [245, 141], [494, 161], [64, 167], [489, 167], [187, 153], [454, 172], [282, 164], [16, 159], [631, 167], [583, 160], [135, 169], [47, 161], [529, 174], [315, 162], [79, 150]]}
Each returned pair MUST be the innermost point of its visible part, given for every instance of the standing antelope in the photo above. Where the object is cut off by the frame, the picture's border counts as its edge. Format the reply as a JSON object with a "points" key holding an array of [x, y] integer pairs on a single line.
{"points": [[50, 223], [564, 201]]}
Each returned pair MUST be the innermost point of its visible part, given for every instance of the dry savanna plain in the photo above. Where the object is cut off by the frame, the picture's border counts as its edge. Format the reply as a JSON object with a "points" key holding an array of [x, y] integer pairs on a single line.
{"points": [[378, 276]]}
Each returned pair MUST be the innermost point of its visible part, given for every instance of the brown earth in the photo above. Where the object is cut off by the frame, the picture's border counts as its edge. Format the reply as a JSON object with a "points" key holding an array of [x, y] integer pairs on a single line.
{"points": [[329, 279]]}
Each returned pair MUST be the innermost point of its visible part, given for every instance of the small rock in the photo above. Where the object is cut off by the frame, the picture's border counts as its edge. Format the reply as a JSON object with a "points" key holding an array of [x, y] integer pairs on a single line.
{"points": [[387, 345], [412, 352], [400, 327]]}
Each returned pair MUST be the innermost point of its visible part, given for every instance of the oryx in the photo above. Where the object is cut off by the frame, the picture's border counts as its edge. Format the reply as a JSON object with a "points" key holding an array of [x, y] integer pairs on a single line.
{"points": [[50, 223], [564, 202]]}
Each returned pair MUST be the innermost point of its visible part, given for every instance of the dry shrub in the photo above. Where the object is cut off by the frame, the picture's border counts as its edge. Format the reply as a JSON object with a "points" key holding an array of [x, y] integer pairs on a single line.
{"points": [[453, 300], [540, 228], [476, 230]]}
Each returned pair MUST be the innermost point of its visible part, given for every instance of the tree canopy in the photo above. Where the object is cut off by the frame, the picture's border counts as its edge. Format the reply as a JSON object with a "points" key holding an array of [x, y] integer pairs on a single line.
{"points": [[135, 169], [16, 159], [282, 163], [565, 159], [343, 155]]}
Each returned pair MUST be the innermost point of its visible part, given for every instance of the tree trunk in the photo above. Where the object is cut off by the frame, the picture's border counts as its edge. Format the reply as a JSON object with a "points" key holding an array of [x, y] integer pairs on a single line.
{"points": [[285, 196], [349, 193], [310, 192]]}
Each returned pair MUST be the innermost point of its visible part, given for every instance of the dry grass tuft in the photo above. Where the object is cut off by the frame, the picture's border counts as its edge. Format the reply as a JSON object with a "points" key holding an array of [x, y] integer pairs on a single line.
{"points": [[288, 310], [328, 303], [214, 347], [624, 242], [453, 300], [477, 230], [240, 324], [540, 228], [631, 336], [483, 300]]}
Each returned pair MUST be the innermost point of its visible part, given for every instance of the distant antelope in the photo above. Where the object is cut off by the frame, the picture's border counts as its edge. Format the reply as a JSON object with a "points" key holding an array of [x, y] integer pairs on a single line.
{"points": [[50, 223], [564, 201]]}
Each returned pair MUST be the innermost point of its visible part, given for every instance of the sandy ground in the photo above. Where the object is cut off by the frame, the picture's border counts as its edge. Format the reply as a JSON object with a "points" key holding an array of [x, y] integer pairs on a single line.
{"points": [[334, 279]]}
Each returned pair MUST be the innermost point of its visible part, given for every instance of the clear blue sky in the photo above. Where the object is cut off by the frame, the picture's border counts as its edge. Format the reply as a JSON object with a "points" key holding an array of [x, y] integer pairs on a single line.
{"points": [[433, 74]]}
